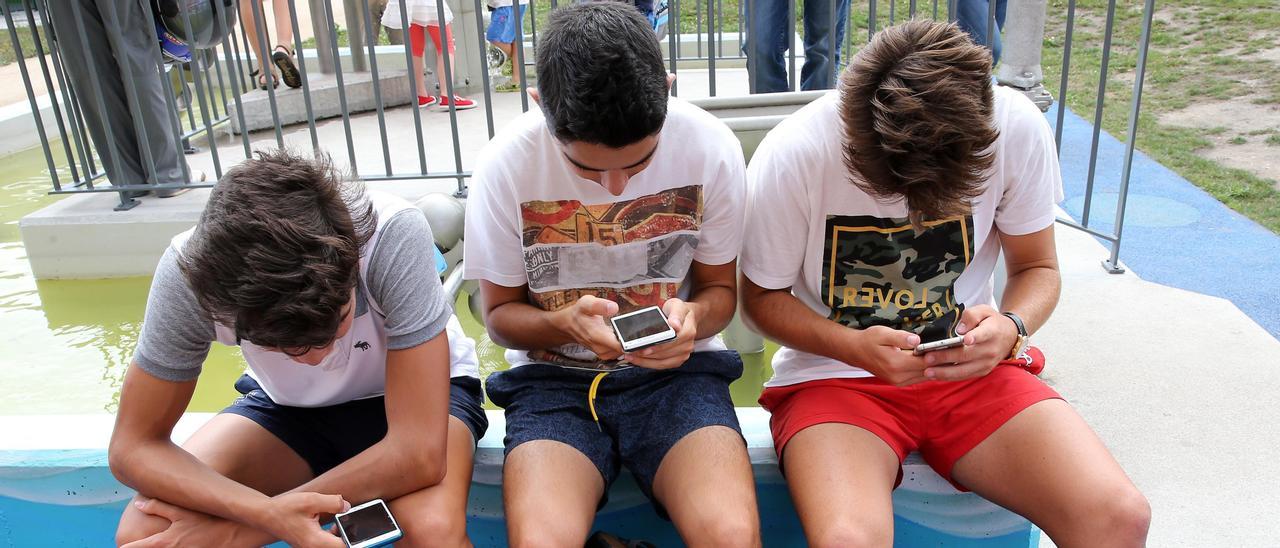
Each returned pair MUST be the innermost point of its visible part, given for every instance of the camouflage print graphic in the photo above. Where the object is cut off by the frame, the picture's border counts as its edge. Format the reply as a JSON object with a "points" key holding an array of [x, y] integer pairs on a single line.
{"points": [[879, 271]]}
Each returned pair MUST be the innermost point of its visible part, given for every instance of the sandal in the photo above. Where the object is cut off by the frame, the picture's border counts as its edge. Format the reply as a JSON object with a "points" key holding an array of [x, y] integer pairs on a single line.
{"points": [[282, 58], [261, 79]]}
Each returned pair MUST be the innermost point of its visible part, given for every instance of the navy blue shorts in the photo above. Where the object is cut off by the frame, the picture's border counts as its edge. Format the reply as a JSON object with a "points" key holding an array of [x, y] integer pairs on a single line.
{"points": [[643, 412], [328, 436]]}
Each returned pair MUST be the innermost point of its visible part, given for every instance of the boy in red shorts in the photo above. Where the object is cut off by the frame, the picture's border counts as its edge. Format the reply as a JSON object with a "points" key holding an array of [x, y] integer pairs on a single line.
{"points": [[888, 205]]}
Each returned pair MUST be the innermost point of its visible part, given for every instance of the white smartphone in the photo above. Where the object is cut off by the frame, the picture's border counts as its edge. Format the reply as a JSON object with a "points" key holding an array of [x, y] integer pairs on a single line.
{"points": [[924, 348], [642, 328], [368, 525]]}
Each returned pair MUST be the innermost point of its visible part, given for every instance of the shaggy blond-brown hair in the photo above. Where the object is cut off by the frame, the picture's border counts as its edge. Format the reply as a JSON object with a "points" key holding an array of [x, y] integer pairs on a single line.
{"points": [[917, 106]]}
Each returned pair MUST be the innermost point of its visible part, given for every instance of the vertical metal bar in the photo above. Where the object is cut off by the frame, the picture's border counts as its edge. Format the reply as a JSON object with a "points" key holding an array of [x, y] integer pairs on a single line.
{"points": [[935, 10], [697, 23], [1097, 112], [76, 122], [533, 27], [848, 35], [445, 34], [519, 53], [951, 10], [1135, 107], [235, 95], [711, 54], [259, 26], [484, 74], [833, 50], [342, 92], [912, 9], [112, 151], [791, 43], [407, 26], [302, 73], [720, 27], [992, 29], [322, 27], [31, 96], [240, 64], [671, 40], [197, 67], [355, 28], [247, 49], [871, 20], [52, 93], [372, 41], [893, 4], [175, 123], [222, 82], [1066, 72], [674, 8]]}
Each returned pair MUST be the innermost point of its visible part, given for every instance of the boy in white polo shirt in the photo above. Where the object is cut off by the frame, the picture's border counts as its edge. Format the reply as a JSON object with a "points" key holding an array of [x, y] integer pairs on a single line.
{"points": [[361, 384], [879, 213]]}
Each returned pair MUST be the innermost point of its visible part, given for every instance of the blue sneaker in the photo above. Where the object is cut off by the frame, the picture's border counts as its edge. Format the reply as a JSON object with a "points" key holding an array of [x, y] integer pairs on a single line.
{"points": [[173, 48]]}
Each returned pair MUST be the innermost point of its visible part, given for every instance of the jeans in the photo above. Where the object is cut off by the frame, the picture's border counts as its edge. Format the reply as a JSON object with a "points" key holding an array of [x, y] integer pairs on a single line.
{"points": [[768, 40], [971, 15]]}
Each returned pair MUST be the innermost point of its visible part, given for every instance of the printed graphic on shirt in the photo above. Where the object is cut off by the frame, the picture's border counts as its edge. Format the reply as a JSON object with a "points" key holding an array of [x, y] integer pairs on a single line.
{"points": [[635, 253], [879, 271]]}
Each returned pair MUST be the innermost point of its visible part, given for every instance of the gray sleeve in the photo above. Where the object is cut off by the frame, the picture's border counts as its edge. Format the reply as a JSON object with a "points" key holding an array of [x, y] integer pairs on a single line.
{"points": [[176, 333], [403, 281]]}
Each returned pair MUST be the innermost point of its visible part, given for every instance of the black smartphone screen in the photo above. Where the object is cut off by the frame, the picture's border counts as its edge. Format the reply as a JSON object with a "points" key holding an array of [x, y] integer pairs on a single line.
{"points": [[639, 326], [367, 523]]}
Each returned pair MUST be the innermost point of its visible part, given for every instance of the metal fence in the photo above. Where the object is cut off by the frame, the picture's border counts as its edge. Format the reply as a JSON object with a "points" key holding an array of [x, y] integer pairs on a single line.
{"points": [[206, 99]]}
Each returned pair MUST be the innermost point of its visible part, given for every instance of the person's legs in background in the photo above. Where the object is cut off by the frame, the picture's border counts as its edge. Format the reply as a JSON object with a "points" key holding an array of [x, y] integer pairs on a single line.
{"points": [[502, 34], [972, 16], [820, 61], [766, 42], [447, 85], [418, 45]]}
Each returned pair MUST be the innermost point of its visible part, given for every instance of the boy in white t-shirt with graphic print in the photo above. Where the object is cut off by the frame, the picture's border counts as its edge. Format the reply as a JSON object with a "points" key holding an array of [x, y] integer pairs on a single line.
{"points": [[610, 198], [360, 384], [881, 211]]}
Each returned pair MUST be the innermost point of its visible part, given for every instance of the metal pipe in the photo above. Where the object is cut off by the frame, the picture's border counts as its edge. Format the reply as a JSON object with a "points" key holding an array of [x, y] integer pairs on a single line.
{"points": [[31, 96], [1135, 107], [264, 71], [711, 54], [372, 41], [447, 84], [302, 72], [342, 93], [235, 95], [1097, 112], [413, 85], [197, 67], [1066, 72], [791, 44], [519, 52], [484, 74]]}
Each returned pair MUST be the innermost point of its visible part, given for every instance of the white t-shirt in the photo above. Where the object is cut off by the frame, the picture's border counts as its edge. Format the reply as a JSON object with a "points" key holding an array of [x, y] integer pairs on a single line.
{"points": [[881, 272], [531, 220]]}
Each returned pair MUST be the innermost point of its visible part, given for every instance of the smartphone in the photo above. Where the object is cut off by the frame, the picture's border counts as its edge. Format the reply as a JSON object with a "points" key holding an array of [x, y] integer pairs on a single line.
{"points": [[924, 348], [368, 525], [642, 328]]}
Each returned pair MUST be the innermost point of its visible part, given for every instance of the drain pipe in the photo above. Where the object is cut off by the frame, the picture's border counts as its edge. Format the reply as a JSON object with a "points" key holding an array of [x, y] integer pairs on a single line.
{"points": [[1020, 60]]}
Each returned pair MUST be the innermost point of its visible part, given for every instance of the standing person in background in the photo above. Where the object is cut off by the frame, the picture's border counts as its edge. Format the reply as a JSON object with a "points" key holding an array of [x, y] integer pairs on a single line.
{"points": [[503, 29], [424, 18], [768, 40], [282, 55], [972, 16], [118, 43]]}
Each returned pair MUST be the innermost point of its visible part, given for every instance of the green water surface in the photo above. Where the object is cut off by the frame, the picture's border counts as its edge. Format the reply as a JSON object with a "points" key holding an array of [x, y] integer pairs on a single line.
{"points": [[65, 344]]}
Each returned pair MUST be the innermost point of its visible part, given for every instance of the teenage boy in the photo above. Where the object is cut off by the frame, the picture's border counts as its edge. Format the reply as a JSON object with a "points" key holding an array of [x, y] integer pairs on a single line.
{"points": [[889, 203], [331, 294], [610, 198]]}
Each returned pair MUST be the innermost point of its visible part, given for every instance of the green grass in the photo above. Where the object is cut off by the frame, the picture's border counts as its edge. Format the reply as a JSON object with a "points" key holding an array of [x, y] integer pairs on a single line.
{"points": [[1192, 59], [25, 40], [1273, 139]]}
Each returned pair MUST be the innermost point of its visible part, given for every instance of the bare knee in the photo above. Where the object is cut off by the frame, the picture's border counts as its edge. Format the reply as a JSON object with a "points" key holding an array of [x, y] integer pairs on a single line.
{"points": [[544, 537], [850, 534], [1127, 517], [433, 529], [738, 529], [135, 525]]}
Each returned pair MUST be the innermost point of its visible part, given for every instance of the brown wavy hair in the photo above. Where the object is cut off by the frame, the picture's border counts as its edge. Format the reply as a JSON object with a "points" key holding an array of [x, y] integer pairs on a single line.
{"points": [[917, 107], [277, 251]]}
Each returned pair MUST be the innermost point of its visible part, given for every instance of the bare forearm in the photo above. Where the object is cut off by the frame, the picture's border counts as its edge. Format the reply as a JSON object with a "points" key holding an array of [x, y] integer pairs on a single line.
{"points": [[163, 470], [781, 317], [1032, 294], [714, 308], [522, 326]]}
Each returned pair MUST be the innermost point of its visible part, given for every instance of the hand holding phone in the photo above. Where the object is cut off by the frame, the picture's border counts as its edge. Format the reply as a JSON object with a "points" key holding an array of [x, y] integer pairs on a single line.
{"points": [[643, 328], [924, 348], [368, 525]]}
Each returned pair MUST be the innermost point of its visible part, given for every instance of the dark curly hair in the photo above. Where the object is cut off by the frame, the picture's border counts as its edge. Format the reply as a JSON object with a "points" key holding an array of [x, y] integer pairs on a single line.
{"points": [[277, 251], [917, 107], [600, 75]]}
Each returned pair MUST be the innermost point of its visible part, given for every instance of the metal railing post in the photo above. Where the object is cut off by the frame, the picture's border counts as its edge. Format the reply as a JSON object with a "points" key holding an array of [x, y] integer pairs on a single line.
{"points": [[1020, 58], [1113, 264]]}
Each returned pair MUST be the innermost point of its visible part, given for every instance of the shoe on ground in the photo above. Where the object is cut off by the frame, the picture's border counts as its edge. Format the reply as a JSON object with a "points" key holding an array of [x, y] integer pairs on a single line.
{"points": [[197, 177], [459, 103], [425, 101]]}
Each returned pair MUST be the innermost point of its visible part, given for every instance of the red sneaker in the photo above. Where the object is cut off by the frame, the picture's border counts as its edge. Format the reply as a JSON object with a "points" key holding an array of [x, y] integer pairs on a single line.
{"points": [[425, 101], [459, 103]]}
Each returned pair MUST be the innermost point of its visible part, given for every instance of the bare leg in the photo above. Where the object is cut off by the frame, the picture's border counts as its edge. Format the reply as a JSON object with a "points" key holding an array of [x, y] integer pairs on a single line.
{"points": [[841, 479], [1048, 465], [706, 485], [235, 447], [418, 78], [437, 516], [284, 27], [550, 492], [249, 11]]}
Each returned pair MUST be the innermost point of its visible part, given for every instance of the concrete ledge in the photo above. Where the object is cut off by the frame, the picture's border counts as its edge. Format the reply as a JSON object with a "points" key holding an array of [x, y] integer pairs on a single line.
{"points": [[53, 470], [291, 107]]}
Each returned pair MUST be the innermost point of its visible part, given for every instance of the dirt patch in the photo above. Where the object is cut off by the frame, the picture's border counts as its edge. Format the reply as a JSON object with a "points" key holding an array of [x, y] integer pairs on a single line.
{"points": [[1243, 144]]}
